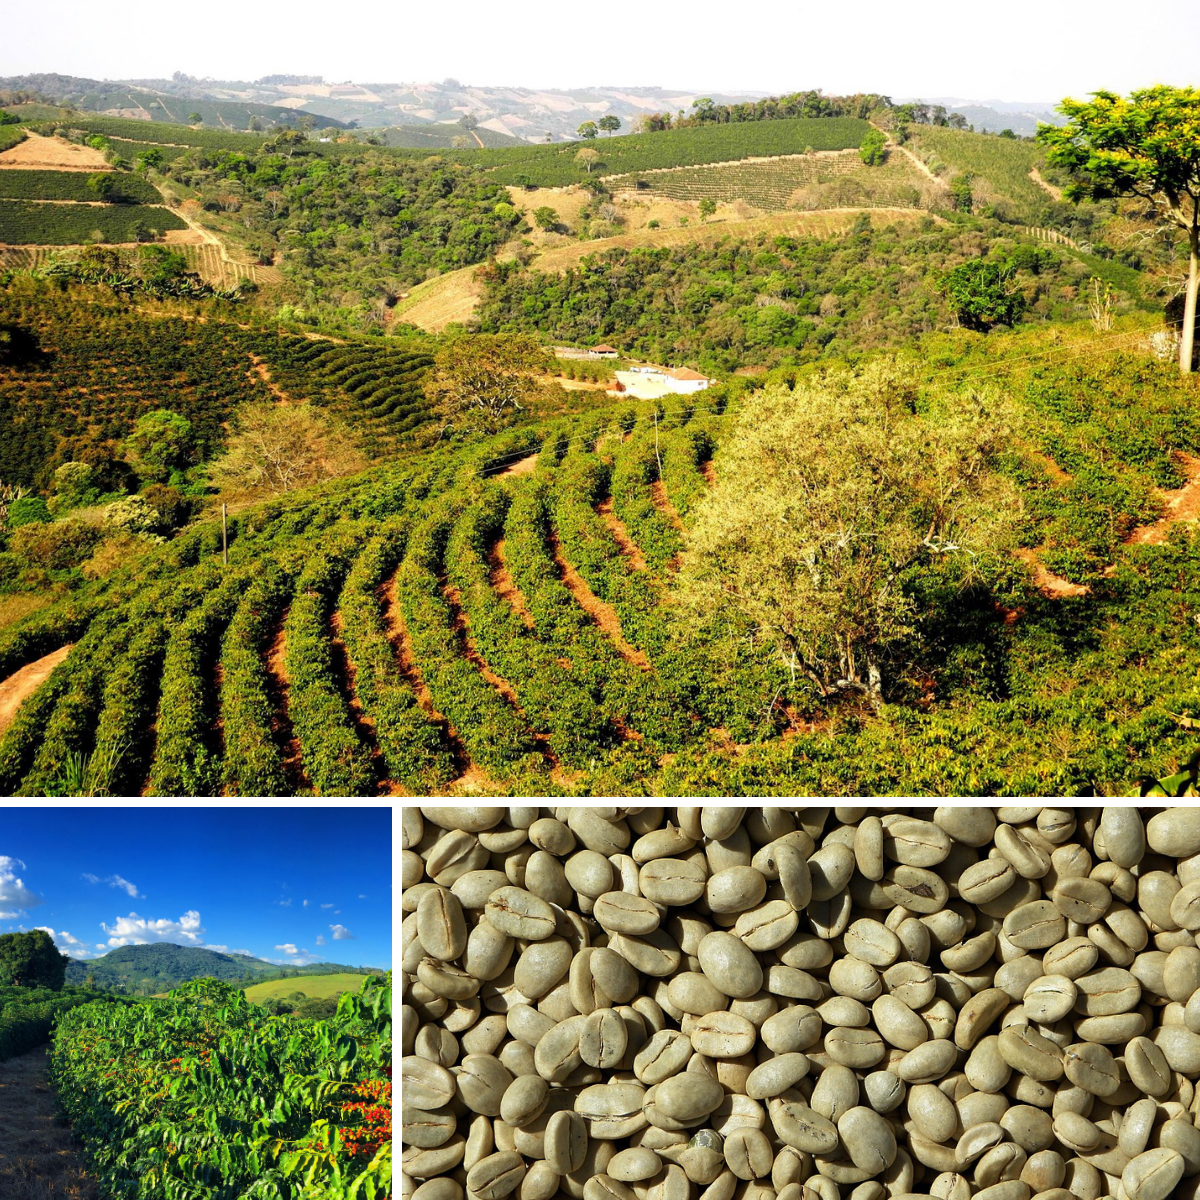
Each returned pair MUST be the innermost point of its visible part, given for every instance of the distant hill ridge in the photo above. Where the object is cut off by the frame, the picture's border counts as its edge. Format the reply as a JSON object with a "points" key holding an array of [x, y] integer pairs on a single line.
{"points": [[163, 965]]}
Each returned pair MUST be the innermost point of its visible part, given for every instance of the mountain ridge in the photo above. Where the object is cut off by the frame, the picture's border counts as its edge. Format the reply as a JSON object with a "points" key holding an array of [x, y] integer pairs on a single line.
{"points": [[164, 965]]}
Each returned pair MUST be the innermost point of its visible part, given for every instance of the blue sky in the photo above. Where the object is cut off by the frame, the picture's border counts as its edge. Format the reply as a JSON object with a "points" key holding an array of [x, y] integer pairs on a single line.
{"points": [[289, 885]]}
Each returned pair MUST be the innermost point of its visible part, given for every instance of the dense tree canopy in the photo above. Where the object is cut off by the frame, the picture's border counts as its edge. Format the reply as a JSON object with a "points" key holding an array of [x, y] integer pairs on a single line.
{"points": [[31, 960], [1147, 146], [840, 492]]}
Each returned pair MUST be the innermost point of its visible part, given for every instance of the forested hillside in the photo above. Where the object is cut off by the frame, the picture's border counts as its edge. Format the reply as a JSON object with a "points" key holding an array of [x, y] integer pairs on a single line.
{"points": [[774, 299], [158, 967]]}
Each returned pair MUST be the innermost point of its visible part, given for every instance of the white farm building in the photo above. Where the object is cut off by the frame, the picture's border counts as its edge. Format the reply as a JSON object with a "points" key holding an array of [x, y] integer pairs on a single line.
{"points": [[648, 383]]}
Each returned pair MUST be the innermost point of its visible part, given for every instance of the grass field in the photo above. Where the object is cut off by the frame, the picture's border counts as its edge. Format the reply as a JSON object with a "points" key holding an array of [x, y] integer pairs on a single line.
{"points": [[800, 181], [315, 987], [555, 165], [1000, 166]]}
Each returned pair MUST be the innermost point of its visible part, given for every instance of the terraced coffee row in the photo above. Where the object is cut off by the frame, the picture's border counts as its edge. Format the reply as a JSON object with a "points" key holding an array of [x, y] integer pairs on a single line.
{"points": [[457, 624]]}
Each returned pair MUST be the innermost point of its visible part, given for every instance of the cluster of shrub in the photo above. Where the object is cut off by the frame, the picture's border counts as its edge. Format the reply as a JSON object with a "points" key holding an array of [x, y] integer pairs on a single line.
{"points": [[98, 515], [308, 1008]]}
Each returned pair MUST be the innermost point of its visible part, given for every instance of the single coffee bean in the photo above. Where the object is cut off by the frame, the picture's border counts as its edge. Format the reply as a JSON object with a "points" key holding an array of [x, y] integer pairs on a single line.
{"points": [[730, 965], [619, 912], [566, 1142], [496, 1176], [520, 914], [1153, 1174], [426, 1085]]}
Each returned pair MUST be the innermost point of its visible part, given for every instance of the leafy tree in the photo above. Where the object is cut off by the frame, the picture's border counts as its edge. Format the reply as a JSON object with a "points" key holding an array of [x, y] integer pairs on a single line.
{"points": [[101, 184], [31, 960], [982, 294], [468, 122], [194, 118], [610, 123], [277, 447], [960, 193], [161, 442], [545, 217], [481, 378], [587, 130], [708, 206], [872, 151], [1007, 133], [834, 499], [588, 158], [1146, 146], [28, 510]]}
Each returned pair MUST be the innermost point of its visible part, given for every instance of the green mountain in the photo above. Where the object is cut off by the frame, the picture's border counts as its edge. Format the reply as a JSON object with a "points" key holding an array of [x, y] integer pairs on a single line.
{"points": [[164, 965]]}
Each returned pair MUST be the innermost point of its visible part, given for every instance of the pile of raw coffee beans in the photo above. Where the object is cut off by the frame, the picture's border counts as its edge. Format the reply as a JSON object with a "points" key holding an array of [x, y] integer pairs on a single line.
{"points": [[822, 1003]]}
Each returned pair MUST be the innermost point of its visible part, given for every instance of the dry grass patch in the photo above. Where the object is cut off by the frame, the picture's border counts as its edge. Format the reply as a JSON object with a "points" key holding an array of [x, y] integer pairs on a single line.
{"points": [[39, 1158], [37, 153], [21, 604], [439, 302]]}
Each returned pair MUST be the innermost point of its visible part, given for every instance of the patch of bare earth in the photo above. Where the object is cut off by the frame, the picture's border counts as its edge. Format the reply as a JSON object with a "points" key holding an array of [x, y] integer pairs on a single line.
{"points": [[469, 777], [344, 681], [620, 534], [216, 690], [1180, 505], [1036, 176], [709, 472], [523, 466], [264, 373], [661, 501], [505, 586], [20, 685], [39, 1158], [281, 723], [1056, 473], [603, 614], [37, 153], [1049, 584]]}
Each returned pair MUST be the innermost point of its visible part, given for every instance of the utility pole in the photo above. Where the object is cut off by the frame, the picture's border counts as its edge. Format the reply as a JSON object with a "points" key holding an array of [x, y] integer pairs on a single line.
{"points": [[224, 538]]}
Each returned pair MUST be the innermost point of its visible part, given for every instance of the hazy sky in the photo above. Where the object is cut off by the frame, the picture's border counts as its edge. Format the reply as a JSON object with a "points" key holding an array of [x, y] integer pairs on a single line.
{"points": [[1018, 50]]}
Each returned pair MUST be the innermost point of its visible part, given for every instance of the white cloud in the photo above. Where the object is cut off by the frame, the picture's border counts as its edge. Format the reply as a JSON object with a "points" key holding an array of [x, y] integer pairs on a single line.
{"points": [[341, 933], [361, 896], [326, 905], [284, 903], [14, 895], [133, 931], [306, 904], [320, 939], [117, 882], [288, 948], [223, 949]]}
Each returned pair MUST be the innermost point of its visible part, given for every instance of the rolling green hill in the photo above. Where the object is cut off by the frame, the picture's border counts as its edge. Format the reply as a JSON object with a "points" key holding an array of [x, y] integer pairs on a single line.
{"points": [[150, 103], [495, 630], [315, 987], [439, 136], [90, 367], [164, 965], [555, 165]]}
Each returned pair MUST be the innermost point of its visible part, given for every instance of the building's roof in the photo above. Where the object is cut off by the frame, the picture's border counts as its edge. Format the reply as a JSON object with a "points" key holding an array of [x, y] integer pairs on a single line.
{"points": [[683, 373], [603, 349]]}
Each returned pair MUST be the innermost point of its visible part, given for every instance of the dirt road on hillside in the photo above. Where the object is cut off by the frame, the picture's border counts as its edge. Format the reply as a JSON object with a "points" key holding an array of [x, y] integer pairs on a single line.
{"points": [[39, 1158]]}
